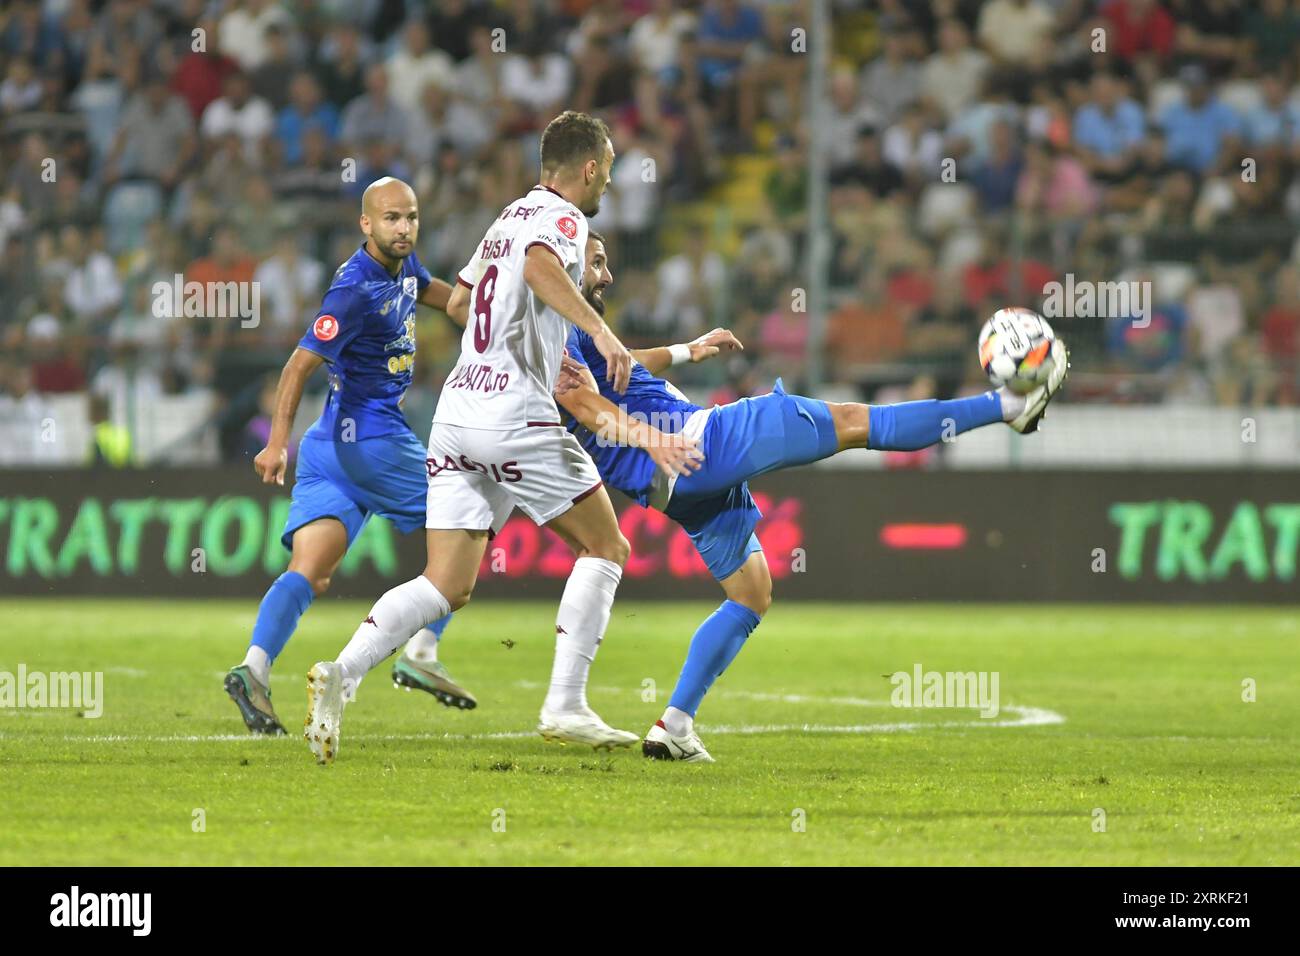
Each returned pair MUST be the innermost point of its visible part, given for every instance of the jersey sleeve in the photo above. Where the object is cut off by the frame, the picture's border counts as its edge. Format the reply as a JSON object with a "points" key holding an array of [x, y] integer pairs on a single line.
{"points": [[562, 231], [573, 347], [338, 322]]}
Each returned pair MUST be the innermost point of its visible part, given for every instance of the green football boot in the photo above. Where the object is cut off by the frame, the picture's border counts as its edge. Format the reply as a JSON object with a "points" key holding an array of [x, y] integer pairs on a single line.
{"points": [[432, 678], [253, 701]]}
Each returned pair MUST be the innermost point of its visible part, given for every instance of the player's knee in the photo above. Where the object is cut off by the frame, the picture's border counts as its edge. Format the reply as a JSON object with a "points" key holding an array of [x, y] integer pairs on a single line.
{"points": [[320, 583], [616, 549]]}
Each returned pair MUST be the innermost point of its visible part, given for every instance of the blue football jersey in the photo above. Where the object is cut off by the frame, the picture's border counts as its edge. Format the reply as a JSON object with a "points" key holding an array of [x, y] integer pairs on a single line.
{"points": [[365, 330], [647, 399]]}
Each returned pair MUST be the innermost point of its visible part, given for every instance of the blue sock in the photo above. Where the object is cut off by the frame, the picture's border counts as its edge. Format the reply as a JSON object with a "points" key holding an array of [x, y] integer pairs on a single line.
{"points": [[913, 425], [715, 645], [440, 625], [277, 618]]}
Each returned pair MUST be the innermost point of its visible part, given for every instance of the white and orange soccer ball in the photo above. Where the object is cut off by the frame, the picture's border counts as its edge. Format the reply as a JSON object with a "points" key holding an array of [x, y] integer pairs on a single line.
{"points": [[1016, 349]]}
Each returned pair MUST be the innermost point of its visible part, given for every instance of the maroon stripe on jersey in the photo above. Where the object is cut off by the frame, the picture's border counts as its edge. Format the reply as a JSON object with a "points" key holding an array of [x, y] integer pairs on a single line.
{"points": [[544, 424], [590, 491], [547, 248], [549, 190], [463, 282]]}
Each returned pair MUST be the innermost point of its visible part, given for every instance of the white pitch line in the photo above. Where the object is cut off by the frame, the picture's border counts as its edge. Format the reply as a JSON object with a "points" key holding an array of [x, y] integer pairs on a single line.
{"points": [[1024, 717]]}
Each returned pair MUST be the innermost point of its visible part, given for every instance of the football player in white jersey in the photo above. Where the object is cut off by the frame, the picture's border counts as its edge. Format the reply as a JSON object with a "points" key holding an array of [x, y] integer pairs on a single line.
{"points": [[498, 443]]}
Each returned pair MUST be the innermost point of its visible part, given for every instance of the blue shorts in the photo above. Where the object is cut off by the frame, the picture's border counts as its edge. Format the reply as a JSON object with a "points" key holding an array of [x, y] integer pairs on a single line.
{"points": [[741, 441], [351, 481]]}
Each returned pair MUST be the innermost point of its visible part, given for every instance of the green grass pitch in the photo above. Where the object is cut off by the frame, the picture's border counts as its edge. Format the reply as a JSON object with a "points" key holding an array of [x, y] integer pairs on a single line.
{"points": [[1154, 742]]}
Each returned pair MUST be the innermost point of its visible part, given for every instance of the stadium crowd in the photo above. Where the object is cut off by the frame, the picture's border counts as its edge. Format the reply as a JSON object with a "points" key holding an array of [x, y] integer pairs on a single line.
{"points": [[978, 152]]}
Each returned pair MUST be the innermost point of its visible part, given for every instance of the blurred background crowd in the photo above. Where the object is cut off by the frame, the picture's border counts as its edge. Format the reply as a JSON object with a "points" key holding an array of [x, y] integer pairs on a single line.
{"points": [[977, 152]]}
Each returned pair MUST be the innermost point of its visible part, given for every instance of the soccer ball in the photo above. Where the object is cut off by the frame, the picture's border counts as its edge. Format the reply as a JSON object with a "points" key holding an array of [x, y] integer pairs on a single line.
{"points": [[1016, 349]]}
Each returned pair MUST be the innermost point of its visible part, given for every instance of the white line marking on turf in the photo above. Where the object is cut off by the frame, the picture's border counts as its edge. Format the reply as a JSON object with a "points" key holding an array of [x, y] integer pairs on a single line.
{"points": [[1023, 717]]}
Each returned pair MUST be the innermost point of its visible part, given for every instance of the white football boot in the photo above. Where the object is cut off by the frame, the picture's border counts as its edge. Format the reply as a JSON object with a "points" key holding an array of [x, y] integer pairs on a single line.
{"points": [[583, 727], [324, 710], [659, 744], [1036, 401]]}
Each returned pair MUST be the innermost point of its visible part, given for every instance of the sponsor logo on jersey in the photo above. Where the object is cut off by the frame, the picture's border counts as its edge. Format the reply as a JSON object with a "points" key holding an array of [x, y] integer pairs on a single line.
{"points": [[409, 287], [567, 226], [325, 328]]}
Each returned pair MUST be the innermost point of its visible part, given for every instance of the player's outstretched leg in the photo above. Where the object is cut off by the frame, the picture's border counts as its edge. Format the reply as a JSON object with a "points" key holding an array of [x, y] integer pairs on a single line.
{"points": [[445, 586], [318, 548], [910, 426], [591, 529], [419, 668], [714, 646]]}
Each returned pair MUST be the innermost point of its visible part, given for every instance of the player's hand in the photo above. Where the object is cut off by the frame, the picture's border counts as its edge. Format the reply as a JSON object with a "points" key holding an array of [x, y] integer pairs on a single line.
{"points": [[711, 343], [270, 464], [618, 360], [570, 376], [676, 454]]}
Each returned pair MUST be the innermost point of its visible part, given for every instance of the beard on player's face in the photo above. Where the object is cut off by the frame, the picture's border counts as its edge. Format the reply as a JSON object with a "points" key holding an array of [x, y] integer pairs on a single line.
{"points": [[390, 249], [595, 296]]}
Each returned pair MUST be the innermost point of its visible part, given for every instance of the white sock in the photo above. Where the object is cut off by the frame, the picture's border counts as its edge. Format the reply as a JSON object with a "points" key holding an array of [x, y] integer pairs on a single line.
{"points": [[423, 647], [677, 722], [579, 627], [394, 619], [1013, 405], [257, 662]]}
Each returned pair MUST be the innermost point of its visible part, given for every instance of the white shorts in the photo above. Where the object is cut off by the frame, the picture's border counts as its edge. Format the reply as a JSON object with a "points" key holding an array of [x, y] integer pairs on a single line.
{"points": [[477, 477]]}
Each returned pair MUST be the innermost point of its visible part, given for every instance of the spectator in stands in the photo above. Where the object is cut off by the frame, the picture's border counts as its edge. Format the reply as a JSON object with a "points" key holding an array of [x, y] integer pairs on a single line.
{"points": [[242, 30], [416, 64], [1280, 330], [1272, 33], [996, 178], [655, 40], [340, 68], [953, 74], [691, 288], [868, 168], [1108, 129], [892, 81], [54, 357], [91, 288], [305, 110], [155, 140], [238, 112], [373, 117], [1137, 27], [200, 75], [291, 285], [21, 89], [1200, 130], [914, 145], [1017, 33], [1275, 123], [258, 430], [730, 43], [267, 79]]}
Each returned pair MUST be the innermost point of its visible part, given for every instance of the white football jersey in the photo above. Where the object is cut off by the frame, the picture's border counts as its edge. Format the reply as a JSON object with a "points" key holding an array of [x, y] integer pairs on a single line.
{"points": [[511, 349]]}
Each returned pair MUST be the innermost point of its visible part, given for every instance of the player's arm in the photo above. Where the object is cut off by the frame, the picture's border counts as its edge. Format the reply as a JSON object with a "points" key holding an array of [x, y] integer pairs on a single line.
{"points": [[549, 282], [658, 360], [458, 304], [272, 460], [577, 394], [435, 295]]}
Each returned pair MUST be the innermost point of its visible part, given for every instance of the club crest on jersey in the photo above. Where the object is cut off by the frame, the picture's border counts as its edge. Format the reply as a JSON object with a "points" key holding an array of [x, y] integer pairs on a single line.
{"points": [[325, 328], [409, 287], [567, 226]]}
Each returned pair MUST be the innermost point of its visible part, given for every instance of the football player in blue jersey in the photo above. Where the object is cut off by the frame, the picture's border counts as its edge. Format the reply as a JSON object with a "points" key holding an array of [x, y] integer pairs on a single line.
{"points": [[740, 441], [360, 457]]}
